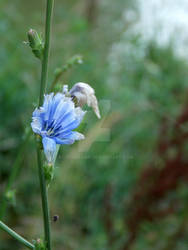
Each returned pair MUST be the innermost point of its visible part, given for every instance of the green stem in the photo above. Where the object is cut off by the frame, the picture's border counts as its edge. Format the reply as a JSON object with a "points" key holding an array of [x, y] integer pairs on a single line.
{"points": [[44, 75], [16, 236], [57, 77], [14, 173], [71, 62], [44, 197]]}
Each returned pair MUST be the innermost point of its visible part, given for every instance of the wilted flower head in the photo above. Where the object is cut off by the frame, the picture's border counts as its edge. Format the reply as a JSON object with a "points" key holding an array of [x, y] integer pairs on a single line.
{"points": [[85, 94], [55, 120]]}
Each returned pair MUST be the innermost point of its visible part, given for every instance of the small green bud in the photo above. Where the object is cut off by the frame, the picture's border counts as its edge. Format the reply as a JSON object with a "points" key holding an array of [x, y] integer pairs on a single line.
{"points": [[57, 71], [49, 168], [77, 59], [36, 43], [39, 244], [10, 196]]}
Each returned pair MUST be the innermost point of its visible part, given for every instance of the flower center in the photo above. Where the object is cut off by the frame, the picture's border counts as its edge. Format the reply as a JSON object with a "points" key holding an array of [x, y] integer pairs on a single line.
{"points": [[50, 131]]}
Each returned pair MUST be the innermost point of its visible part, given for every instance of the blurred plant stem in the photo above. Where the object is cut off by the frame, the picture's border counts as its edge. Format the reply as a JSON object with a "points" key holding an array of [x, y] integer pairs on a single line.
{"points": [[44, 197], [44, 75], [16, 236], [15, 170], [77, 59]]}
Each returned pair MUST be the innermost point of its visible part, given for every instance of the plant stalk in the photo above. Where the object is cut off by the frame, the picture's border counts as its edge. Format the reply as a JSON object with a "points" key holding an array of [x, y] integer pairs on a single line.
{"points": [[44, 75], [44, 197], [16, 236], [45, 60], [71, 62]]}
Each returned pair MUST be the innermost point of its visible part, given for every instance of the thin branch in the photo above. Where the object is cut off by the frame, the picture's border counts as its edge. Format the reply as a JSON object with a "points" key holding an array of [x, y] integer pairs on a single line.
{"points": [[16, 236]]}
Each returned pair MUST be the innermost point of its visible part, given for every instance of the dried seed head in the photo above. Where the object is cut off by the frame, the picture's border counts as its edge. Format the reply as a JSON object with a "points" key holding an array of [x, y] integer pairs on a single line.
{"points": [[85, 94]]}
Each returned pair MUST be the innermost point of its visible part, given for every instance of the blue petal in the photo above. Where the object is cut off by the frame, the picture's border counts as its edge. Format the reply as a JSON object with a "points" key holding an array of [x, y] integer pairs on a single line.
{"points": [[65, 114], [47, 106], [69, 138], [37, 125], [67, 129], [70, 121], [65, 106], [65, 122], [49, 149], [79, 113], [56, 99], [64, 141]]}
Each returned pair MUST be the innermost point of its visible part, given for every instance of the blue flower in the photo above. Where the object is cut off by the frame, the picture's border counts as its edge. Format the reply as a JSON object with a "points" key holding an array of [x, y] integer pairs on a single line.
{"points": [[55, 122]]}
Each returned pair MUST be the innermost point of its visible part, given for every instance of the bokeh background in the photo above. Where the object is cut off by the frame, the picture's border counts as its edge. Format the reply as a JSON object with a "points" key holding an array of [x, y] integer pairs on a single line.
{"points": [[126, 185]]}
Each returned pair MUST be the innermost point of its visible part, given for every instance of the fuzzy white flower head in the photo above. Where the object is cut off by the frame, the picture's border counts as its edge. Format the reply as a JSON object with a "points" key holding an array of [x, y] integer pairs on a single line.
{"points": [[85, 94]]}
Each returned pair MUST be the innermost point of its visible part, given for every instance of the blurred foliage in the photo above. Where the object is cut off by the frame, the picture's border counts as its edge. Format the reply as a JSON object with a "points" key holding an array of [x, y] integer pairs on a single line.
{"points": [[107, 190]]}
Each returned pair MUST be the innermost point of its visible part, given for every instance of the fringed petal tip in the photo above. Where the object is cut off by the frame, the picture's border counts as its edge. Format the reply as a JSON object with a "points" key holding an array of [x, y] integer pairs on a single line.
{"points": [[36, 125], [70, 138], [79, 113], [78, 136]]}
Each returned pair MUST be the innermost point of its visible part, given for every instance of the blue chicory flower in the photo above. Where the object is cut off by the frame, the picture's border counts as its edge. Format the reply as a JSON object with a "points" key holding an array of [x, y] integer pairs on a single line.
{"points": [[55, 122]]}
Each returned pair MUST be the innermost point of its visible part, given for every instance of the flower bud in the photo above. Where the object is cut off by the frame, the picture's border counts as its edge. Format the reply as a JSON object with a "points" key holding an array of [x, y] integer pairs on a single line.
{"points": [[36, 43], [39, 244], [10, 195], [77, 59], [85, 94]]}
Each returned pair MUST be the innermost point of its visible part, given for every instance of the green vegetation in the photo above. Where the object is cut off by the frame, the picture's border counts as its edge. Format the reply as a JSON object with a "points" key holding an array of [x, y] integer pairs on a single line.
{"points": [[125, 186]]}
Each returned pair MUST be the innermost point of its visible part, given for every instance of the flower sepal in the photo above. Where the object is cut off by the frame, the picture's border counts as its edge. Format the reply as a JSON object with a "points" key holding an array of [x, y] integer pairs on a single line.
{"points": [[48, 172], [49, 164], [10, 196], [36, 43]]}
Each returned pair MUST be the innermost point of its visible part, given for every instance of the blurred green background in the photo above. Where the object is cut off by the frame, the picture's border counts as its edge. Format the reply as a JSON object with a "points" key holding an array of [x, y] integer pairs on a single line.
{"points": [[125, 186]]}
